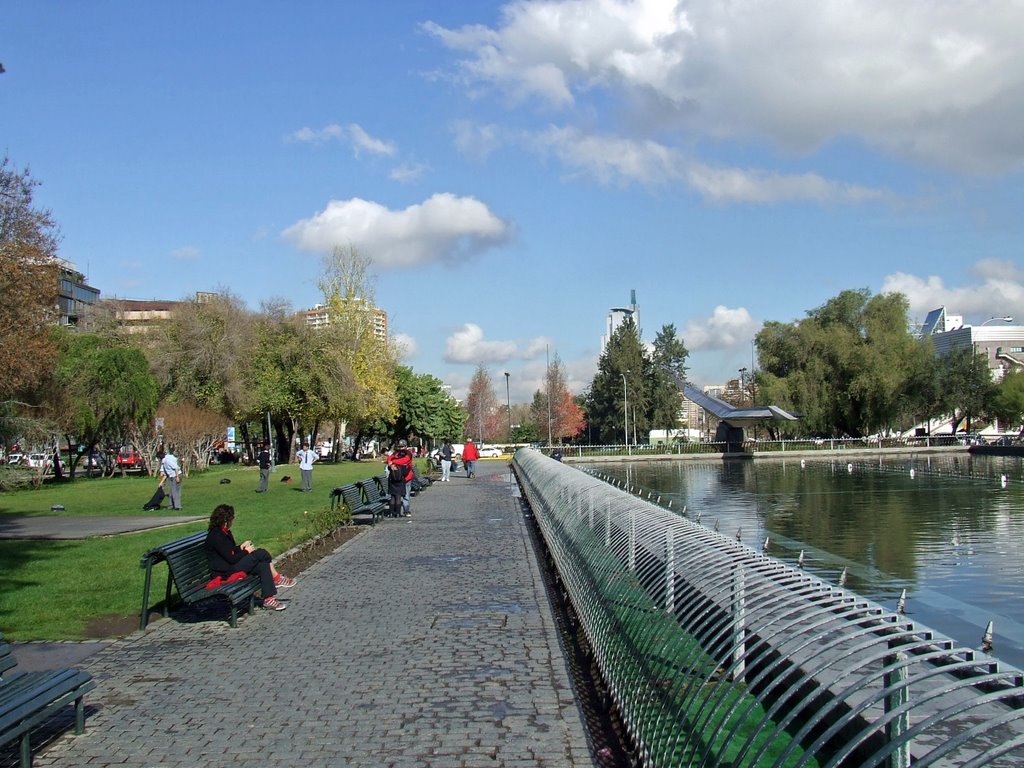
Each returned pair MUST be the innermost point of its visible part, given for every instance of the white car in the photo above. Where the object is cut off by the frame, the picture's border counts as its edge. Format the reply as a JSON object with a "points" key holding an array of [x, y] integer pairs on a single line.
{"points": [[490, 451], [38, 461]]}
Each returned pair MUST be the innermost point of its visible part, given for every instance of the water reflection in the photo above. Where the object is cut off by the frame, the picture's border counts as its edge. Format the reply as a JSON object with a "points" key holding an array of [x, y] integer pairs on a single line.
{"points": [[949, 530]]}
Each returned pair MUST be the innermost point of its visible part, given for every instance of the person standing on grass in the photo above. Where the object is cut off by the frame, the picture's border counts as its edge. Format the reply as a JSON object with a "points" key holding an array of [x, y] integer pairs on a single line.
{"points": [[469, 456], [226, 557], [263, 459], [306, 458], [171, 470]]}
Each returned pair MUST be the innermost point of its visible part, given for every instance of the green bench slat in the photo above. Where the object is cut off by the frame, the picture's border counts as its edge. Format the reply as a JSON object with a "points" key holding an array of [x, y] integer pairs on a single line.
{"points": [[28, 699]]}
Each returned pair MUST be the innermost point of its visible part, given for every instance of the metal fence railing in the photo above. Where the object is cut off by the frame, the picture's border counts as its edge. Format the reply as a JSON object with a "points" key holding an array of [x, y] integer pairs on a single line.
{"points": [[717, 655]]}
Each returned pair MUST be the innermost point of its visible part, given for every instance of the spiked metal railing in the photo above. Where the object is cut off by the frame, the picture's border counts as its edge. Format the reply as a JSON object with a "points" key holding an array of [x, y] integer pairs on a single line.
{"points": [[717, 655]]}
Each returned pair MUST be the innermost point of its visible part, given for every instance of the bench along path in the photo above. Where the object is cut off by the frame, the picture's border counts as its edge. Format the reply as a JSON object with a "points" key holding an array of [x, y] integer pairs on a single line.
{"points": [[419, 643]]}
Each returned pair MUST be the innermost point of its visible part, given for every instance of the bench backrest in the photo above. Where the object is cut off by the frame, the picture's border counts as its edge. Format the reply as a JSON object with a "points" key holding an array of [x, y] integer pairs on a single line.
{"points": [[189, 566], [161, 553], [353, 496], [373, 490]]}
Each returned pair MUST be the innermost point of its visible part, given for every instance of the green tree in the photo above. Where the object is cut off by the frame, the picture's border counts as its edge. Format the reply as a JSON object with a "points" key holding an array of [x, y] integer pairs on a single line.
{"points": [[366, 363], [968, 392], [847, 368], [425, 409], [624, 355], [101, 390], [668, 378], [202, 354], [1008, 405]]}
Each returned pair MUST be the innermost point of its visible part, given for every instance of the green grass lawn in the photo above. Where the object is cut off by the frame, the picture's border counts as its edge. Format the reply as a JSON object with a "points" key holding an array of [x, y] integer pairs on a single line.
{"points": [[51, 590]]}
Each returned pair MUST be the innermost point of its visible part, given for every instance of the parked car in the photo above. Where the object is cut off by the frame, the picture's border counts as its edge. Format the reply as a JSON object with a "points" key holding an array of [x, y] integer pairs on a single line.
{"points": [[130, 460], [38, 461], [15, 458], [490, 451]]}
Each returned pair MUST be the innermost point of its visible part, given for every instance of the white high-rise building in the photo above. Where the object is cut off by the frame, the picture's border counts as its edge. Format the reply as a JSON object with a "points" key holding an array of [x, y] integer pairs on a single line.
{"points": [[618, 315]]}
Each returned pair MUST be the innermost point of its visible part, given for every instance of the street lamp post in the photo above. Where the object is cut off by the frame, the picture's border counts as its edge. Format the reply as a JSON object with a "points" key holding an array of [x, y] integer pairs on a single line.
{"points": [[625, 413], [1006, 319], [508, 404]]}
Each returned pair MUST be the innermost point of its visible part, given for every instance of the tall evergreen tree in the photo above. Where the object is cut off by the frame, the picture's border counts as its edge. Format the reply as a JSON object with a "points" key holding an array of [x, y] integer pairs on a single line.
{"points": [[623, 356], [668, 376]]}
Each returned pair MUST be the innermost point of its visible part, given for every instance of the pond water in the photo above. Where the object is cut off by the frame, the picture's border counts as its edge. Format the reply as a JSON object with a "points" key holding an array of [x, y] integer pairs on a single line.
{"points": [[948, 529]]}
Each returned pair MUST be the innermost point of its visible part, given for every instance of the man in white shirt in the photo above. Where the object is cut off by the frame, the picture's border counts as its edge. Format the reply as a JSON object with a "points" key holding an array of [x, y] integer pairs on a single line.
{"points": [[306, 458], [171, 470]]}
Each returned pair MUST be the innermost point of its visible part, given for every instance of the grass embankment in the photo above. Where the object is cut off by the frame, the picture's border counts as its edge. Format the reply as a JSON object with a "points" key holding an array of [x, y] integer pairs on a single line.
{"points": [[51, 590]]}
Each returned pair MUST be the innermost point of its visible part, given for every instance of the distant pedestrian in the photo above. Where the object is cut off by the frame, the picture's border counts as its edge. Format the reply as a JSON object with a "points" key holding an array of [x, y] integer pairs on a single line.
{"points": [[306, 459], [171, 470], [469, 456], [446, 453], [263, 459], [403, 458], [396, 487]]}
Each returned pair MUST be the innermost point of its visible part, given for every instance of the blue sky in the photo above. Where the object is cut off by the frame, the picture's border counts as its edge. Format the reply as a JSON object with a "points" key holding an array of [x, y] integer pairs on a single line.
{"points": [[515, 169]]}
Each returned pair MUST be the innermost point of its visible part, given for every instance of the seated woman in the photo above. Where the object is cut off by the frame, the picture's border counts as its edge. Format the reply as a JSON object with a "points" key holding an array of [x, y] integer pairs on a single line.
{"points": [[227, 557]]}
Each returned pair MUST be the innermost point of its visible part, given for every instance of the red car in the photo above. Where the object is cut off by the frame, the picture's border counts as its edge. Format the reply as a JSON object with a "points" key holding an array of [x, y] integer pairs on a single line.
{"points": [[130, 460]]}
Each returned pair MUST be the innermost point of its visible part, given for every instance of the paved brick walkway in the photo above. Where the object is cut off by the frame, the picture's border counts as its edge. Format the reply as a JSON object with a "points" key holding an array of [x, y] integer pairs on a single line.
{"points": [[422, 643]]}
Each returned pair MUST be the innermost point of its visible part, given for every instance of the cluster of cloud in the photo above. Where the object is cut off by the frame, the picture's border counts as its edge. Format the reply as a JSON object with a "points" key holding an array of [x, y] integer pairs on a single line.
{"points": [[353, 134], [443, 229], [725, 328], [468, 345], [998, 292], [929, 81], [362, 143], [609, 159]]}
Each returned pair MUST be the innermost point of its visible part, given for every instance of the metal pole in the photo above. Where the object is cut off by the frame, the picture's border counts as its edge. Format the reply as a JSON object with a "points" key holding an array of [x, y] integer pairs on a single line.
{"points": [[508, 404], [625, 413], [547, 387]]}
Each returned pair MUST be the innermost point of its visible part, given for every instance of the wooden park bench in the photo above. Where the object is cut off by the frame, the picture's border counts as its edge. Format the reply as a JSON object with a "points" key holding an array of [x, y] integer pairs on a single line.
{"points": [[359, 505], [28, 699], [189, 571]]}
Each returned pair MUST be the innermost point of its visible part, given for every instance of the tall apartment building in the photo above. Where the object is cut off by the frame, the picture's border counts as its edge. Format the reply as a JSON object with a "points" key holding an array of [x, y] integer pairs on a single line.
{"points": [[319, 317]]}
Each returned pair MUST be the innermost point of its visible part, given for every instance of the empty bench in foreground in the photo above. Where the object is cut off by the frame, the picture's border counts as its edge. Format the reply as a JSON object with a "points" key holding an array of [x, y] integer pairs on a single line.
{"points": [[188, 571], [28, 699]]}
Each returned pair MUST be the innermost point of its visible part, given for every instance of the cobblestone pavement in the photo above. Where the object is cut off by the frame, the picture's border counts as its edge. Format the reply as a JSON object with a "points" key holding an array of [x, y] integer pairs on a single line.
{"points": [[427, 642]]}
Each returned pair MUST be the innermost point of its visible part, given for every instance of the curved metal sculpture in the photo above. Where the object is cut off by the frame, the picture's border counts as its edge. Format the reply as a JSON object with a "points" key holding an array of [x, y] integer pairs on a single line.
{"points": [[717, 655]]}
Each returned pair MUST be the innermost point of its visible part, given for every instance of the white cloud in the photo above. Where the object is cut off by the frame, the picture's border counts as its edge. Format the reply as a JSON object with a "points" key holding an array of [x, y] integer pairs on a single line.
{"points": [[610, 158], [929, 81], [353, 134], [476, 141], [1000, 292], [364, 142], [407, 172], [407, 347], [734, 185], [444, 228], [468, 345], [185, 253], [725, 328]]}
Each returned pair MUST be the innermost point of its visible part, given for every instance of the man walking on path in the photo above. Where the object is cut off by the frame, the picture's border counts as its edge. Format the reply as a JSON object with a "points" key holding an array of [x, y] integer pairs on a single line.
{"points": [[403, 458], [306, 458], [263, 459], [446, 461], [469, 457], [171, 470]]}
